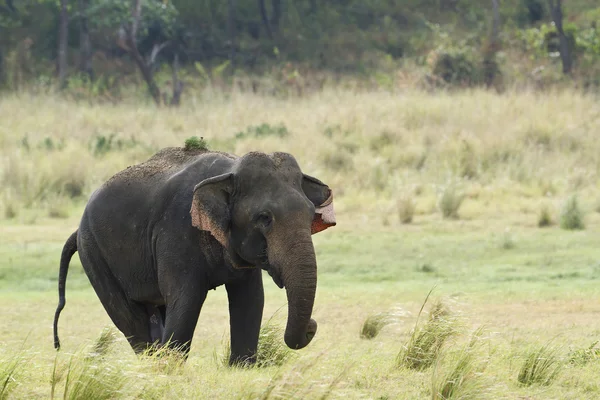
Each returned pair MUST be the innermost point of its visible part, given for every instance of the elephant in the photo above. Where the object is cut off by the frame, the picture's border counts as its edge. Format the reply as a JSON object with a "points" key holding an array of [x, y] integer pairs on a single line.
{"points": [[157, 236]]}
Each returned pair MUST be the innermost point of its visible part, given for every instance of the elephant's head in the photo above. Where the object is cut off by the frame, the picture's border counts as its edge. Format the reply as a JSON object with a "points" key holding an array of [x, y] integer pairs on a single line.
{"points": [[264, 212]]}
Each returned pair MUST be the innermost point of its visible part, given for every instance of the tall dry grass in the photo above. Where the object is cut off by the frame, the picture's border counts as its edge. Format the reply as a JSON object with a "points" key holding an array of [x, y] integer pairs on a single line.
{"points": [[508, 148]]}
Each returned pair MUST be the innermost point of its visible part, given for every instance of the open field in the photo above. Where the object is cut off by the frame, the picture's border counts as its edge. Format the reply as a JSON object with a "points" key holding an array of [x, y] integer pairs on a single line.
{"points": [[508, 157]]}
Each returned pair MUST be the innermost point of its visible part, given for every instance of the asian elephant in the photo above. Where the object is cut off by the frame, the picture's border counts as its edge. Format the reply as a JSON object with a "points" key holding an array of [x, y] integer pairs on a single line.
{"points": [[157, 236]]}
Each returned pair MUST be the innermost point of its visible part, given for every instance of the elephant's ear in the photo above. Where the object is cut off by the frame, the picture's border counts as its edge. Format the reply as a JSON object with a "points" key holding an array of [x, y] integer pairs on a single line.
{"points": [[322, 197], [210, 206]]}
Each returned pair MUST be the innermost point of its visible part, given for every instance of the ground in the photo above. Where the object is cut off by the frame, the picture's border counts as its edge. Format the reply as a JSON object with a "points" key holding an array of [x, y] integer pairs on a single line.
{"points": [[493, 266]]}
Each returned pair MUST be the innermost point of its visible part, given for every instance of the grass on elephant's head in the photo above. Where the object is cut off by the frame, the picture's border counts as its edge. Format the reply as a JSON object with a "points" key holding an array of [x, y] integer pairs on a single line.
{"points": [[458, 373], [195, 143], [426, 341], [540, 366], [10, 367]]}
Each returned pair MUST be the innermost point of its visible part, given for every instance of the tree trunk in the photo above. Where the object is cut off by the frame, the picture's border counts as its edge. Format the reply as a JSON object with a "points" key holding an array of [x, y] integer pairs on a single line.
{"points": [[276, 17], [490, 65], [63, 37], [177, 84], [495, 22], [85, 45], [265, 18], [2, 70], [232, 33], [136, 14], [565, 52], [313, 7]]}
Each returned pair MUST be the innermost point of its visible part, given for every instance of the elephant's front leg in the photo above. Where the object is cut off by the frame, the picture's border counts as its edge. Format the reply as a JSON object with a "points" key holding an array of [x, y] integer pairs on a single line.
{"points": [[182, 311], [246, 301]]}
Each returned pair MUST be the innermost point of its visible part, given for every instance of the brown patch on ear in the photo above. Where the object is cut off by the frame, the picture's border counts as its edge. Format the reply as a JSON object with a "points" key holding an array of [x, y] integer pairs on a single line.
{"points": [[324, 216], [202, 221], [210, 207]]}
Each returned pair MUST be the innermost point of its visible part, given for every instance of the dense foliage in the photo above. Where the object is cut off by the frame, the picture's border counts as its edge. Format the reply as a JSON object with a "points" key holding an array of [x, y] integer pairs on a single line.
{"points": [[448, 39]]}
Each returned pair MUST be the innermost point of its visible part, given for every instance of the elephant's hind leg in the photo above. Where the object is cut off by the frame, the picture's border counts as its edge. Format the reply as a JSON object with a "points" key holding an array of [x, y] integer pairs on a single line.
{"points": [[130, 317]]}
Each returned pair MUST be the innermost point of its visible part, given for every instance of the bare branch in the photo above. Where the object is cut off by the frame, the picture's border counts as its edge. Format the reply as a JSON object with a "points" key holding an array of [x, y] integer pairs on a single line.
{"points": [[156, 50]]}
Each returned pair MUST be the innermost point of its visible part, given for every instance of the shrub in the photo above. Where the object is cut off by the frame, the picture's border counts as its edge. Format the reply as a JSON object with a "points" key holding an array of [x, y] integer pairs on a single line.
{"points": [[571, 215], [425, 343], [456, 67], [406, 209], [263, 130], [544, 219], [507, 242], [450, 199], [541, 366], [581, 357], [58, 208]]}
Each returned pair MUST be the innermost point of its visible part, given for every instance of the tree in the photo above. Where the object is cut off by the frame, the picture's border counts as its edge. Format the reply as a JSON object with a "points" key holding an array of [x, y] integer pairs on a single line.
{"points": [[276, 17], [490, 65], [85, 44], [128, 41], [565, 53], [265, 18], [232, 36], [63, 39]]}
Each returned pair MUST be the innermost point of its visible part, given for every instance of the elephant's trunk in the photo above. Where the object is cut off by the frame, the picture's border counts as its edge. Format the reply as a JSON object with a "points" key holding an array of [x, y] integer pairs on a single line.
{"points": [[299, 275]]}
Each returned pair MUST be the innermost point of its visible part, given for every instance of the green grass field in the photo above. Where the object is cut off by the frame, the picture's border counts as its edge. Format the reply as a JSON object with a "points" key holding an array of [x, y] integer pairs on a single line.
{"points": [[508, 157]]}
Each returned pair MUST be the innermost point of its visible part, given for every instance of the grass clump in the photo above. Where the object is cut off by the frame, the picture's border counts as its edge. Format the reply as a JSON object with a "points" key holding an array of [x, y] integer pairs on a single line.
{"points": [[89, 375], [571, 215], [406, 209], [9, 368], [104, 342], [507, 240], [581, 357], [195, 143], [544, 218], [462, 376], [541, 366], [375, 323], [295, 383], [271, 351], [449, 201], [425, 343]]}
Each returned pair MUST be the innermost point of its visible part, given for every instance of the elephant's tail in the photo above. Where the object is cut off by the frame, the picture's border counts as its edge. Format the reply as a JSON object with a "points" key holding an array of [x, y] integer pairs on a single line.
{"points": [[69, 249]]}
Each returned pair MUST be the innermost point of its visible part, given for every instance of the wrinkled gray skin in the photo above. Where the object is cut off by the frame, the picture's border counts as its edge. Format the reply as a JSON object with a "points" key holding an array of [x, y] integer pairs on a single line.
{"points": [[158, 236]]}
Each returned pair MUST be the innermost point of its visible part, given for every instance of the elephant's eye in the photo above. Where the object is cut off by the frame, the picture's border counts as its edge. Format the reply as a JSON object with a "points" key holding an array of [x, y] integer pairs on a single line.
{"points": [[264, 219]]}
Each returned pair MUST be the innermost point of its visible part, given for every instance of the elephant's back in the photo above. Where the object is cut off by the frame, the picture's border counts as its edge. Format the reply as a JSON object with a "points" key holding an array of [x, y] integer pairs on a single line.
{"points": [[162, 166]]}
